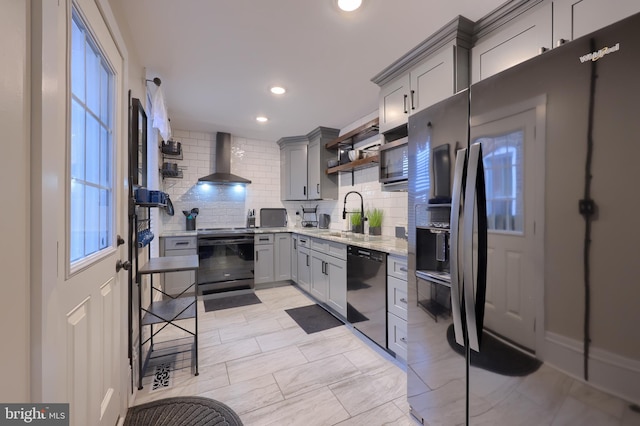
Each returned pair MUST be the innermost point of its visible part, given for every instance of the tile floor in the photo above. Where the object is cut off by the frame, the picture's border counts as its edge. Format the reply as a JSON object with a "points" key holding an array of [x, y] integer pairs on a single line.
{"points": [[258, 361], [545, 397]]}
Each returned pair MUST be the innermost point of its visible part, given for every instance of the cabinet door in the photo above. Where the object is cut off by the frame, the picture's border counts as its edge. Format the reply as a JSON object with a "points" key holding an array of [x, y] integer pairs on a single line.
{"points": [[297, 172], [294, 258], [285, 187], [313, 171], [336, 270], [575, 18], [397, 302], [515, 43], [397, 267], [282, 257], [304, 268], [176, 282], [319, 279], [263, 264], [433, 80], [393, 103], [397, 336]]}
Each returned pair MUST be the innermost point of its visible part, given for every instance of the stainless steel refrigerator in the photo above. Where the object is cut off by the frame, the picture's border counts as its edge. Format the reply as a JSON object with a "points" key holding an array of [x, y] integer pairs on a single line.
{"points": [[523, 282]]}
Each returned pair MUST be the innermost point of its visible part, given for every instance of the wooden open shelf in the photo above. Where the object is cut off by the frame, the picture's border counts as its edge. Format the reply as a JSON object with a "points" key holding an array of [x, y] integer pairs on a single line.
{"points": [[356, 135], [354, 165]]}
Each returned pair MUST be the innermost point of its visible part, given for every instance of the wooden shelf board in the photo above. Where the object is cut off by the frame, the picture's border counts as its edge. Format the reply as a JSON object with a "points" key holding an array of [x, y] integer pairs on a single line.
{"points": [[359, 133], [354, 165]]}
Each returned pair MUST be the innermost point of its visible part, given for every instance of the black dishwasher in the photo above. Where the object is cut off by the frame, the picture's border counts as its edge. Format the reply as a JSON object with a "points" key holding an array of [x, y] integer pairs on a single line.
{"points": [[367, 293]]}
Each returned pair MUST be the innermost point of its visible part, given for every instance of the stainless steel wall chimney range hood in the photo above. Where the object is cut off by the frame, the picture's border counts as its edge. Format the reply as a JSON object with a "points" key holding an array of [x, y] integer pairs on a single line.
{"points": [[222, 172]]}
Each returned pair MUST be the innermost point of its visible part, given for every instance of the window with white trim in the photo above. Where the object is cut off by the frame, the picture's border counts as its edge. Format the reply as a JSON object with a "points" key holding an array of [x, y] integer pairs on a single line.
{"points": [[91, 200]]}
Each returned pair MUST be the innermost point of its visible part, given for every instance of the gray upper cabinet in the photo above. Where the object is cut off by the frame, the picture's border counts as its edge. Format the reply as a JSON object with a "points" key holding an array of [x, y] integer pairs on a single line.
{"points": [[523, 29], [304, 161], [432, 71], [502, 45], [575, 18], [393, 103], [293, 171], [321, 185]]}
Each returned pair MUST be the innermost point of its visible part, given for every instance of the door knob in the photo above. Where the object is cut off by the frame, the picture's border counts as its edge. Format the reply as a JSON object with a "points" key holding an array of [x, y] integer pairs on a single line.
{"points": [[119, 240], [123, 265]]}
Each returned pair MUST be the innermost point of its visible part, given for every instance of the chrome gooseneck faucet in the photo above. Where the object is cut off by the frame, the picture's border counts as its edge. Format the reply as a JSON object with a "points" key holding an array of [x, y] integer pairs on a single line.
{"points": [[344, 210]]}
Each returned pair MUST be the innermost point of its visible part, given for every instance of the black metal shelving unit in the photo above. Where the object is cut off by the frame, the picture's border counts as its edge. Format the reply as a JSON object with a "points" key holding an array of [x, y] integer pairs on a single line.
{"points": [[166, 312]]}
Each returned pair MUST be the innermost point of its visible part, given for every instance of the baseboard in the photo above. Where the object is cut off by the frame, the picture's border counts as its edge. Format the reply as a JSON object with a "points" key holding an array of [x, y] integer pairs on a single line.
{"points": [[609, 372], [263, 286]]}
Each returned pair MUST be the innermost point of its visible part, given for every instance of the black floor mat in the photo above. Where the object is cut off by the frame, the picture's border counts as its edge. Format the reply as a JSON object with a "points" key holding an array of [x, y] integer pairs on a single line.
{"points": [[313, 318], [497, 357], [230, 302], [192, 410]]}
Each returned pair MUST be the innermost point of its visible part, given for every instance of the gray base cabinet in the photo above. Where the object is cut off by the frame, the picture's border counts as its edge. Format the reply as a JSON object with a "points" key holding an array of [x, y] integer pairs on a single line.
{"points": [[329, 274], [397, 304], [264, 259], [294, 258], [304, 263], [282, 256], [175, 283], [272, 258]]}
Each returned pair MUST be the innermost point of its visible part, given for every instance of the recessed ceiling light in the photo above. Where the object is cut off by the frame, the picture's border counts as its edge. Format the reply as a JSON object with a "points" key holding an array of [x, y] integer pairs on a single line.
{"points": [[349, 5], [277, 90], [262, 119]]}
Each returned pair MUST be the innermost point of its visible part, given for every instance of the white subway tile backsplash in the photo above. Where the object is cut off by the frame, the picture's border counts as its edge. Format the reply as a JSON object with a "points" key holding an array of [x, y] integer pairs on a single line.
{"points": [[259, 161]]}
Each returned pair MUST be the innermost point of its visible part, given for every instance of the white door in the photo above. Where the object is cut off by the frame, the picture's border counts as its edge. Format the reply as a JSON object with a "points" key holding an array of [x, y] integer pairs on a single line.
{"points": [[89, 307], [508, 147]]}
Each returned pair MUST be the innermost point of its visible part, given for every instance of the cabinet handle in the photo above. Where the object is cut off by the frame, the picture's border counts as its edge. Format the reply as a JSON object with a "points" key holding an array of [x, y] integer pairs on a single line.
{"points": [[542, 50], [304, 190], [404, 104], [295, 244], [560, 42], [403, 300], [403, 269], [263, 238], [307, 260], [182, 243], [318, 188], [403, 339], [413, 105]]}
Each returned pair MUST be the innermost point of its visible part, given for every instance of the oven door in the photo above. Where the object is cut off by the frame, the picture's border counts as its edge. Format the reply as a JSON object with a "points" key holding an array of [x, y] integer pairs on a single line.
{"points": [[226, 263]]}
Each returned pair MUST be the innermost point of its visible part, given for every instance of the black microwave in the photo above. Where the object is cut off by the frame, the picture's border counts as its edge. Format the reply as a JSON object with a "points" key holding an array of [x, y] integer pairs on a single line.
{"points": [[394, 163]]}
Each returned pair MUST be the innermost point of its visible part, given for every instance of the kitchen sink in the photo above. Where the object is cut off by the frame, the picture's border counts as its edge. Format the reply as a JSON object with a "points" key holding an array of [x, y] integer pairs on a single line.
{"points": [[337, 234]]}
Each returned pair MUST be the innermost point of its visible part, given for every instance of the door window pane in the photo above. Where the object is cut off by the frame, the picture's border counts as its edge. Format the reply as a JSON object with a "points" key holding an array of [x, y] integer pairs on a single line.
{"points": [[504, 178], [91, 163]]}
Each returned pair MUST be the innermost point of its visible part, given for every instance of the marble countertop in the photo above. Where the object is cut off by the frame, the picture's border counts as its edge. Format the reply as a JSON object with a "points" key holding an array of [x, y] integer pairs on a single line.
{"points": [[179, 234], [391, 245]]}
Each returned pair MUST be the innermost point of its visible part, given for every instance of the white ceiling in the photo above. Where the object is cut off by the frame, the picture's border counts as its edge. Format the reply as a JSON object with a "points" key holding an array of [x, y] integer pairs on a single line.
{"points": [[218, 58]]}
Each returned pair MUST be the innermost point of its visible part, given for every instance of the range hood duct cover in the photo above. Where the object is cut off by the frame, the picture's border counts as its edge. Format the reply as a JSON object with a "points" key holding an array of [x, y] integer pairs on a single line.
{"points": [[222, 173]]}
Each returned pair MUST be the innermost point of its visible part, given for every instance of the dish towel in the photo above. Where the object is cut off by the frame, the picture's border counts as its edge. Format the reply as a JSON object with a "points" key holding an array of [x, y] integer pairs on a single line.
{"points": [[160, 117]]}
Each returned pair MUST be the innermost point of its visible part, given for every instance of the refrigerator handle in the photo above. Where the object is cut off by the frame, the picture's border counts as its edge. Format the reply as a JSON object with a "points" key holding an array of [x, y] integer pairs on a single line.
{"points": [[475, 261], [454, 243]]}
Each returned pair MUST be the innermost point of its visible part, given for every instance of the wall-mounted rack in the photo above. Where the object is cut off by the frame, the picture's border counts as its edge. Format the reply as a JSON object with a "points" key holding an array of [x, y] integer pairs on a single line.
{"points": [[347, 141]]}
